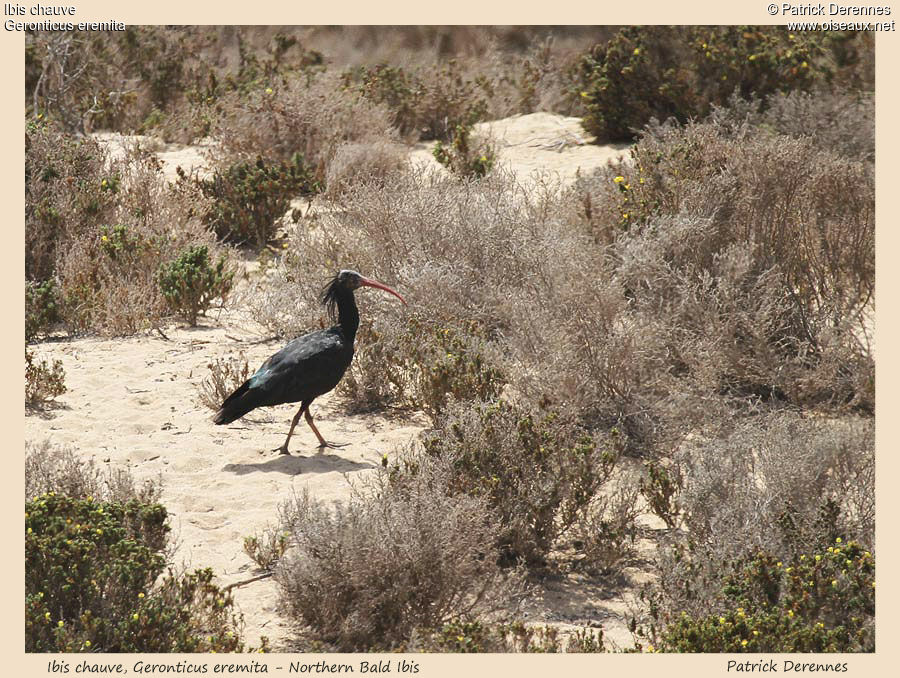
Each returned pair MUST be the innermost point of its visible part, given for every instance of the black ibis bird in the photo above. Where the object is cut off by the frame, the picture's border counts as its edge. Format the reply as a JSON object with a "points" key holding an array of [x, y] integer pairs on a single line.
{"points": [[309, 365]]}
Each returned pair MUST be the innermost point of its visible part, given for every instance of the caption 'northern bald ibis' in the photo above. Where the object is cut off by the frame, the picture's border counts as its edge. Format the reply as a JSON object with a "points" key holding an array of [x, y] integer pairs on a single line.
{"points": [[309, 365]]}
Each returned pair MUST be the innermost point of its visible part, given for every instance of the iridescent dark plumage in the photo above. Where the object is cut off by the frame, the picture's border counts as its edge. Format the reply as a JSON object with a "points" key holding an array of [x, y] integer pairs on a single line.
{"points": [[307, 366]]}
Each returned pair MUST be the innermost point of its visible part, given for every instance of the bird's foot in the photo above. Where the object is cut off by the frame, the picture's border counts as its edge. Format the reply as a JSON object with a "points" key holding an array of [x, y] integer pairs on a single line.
{"points": [[282, 450], [334, 446]]}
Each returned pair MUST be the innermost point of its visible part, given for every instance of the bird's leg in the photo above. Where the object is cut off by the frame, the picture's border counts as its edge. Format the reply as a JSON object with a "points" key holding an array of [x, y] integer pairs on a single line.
{"points": [[322, 441], [304, 407]]}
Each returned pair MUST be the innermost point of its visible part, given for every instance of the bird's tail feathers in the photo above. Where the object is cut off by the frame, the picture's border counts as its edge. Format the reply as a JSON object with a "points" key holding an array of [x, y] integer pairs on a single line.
{"points": [[237, 405]]}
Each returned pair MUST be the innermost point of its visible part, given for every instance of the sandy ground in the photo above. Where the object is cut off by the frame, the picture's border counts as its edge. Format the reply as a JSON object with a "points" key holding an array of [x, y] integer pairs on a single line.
{"points": [[133, 403]]}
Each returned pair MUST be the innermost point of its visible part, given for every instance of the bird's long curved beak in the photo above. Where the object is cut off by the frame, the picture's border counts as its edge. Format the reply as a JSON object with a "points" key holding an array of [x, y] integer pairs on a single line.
{"points": [[374, 283]]}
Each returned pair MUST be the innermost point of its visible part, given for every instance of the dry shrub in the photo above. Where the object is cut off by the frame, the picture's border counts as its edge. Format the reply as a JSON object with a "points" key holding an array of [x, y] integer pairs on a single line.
{"points": [[396, 557], [539, 473], [743, 272], [782, 484], [101, 227], [354, 162], [774, 481], [312, 117], [752, 254], [225, 376], [458, 251], [843, 123], [56, 468]]}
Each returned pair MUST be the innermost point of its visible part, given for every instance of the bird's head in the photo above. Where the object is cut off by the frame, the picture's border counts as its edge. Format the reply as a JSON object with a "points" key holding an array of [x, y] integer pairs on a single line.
{"points": [[347, 281]]}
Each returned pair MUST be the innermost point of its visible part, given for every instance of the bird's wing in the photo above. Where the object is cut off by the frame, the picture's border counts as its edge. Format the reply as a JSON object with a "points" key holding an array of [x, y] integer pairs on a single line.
{"points": [[313, 362]]}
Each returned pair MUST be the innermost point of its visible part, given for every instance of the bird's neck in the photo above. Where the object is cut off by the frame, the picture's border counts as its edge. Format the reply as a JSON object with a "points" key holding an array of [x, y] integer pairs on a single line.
{"points": [[348, 315]]}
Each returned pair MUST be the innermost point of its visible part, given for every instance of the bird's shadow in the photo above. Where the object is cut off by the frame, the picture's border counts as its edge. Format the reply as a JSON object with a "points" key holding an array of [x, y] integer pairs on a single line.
{"points": [[295, 464]]}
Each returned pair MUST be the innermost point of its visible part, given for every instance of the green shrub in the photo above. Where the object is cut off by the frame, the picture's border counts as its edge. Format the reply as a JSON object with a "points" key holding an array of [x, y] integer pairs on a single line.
{"points": [[266, 548], [647, 72], [43, 381], [823, 601], [399, 90], [250, 198], [422, 366], [41, 307], [432, 104], [91, 570], [190, 283], [99, 227], [538, 474], [67, 191], [660, 488], [462, 157], [504, 636]]}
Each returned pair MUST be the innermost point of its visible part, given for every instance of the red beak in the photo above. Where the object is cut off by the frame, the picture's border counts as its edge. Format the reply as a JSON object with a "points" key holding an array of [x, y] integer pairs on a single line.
{"points": [[374, 283]]}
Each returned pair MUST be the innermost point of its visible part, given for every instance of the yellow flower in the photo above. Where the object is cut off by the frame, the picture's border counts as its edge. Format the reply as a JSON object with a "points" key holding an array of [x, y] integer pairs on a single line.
{"points": [[802, 558], [649, 648], [637, 51], [584, 94], [791, 614], [778, 564], [87, 643], [743, 643], [838, 540], [627, 186], [752, 57], [818, 557], [140, 595], [804, 65], [60, 623], [103, 238], [268, 90], [619, 180], [134, 617], [834, 582], [721, 620], [788, 570]]}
